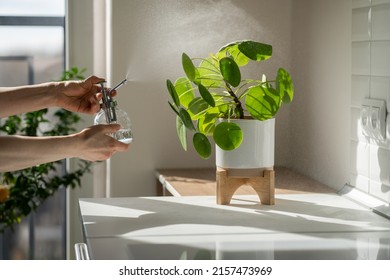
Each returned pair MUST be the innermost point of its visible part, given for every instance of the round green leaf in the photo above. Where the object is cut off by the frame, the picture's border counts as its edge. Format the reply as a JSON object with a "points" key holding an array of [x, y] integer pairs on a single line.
{"points": [[262, 103], [206, 95], [284, 85], [185, 91], [173, 93], [227, 135], [188, 67], [255, 50], [186, 118], [202, 145], [230, 71]]}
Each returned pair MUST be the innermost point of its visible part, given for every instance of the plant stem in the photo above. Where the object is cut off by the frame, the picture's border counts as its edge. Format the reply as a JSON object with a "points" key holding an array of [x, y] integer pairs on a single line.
{"points": [[236, 100]]}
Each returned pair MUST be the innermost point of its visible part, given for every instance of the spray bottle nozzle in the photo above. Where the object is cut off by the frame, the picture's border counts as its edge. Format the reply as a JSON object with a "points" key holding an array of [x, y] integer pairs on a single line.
{"points": [[119, 85], [109, 103]]}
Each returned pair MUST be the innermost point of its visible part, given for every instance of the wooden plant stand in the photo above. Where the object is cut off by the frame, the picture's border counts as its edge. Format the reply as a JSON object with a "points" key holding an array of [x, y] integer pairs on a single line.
{"points": [[229, 180]]}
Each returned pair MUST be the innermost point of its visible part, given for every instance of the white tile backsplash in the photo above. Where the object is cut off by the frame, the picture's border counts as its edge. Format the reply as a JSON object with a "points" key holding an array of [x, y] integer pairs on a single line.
{"points": [[378, 163], [356, 126], [361, 58], [360, 3], [388, 128], [380, 22], [360, 89], [380, 58], [377, 2], [360, 155], [379, 190], [370, 159], [360, 24], [360, 182], [380, 89]]}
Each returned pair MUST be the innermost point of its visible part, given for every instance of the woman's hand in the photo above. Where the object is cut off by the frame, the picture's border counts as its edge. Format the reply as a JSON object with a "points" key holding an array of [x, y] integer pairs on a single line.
{"points": [[95, 144], [80, 96]]}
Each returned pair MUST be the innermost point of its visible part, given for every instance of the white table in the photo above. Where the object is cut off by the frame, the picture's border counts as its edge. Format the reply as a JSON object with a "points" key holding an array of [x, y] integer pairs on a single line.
{"points": [[298, 226]]}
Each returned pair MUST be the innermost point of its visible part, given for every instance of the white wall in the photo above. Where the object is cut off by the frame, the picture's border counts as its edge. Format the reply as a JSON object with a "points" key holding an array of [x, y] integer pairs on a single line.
{"points": [[148, 39], [320, 115]]}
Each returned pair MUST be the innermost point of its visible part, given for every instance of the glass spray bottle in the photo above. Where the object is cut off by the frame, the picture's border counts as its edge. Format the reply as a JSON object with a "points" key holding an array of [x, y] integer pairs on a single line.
{"points": [[110, 113]]}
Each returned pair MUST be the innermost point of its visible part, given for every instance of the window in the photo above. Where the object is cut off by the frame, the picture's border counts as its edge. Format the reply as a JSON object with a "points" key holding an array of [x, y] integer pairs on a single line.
{"points": [[32, 51]]}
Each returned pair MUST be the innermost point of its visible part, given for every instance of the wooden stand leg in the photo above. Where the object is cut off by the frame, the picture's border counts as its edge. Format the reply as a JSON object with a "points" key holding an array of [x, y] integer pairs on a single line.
{"points": [[227, 184]]}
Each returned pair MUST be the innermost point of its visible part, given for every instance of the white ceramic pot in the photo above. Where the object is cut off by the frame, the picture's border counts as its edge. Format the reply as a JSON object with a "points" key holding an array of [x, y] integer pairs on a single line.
{"points": [[256, 150]]}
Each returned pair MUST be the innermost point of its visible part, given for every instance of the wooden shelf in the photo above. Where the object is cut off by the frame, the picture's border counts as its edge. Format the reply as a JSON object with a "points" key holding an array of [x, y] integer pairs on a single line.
{"points": [[202, 181]]}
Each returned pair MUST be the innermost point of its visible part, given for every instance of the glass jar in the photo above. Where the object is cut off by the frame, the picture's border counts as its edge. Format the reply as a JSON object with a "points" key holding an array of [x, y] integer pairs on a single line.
{"points": [[124, 134]]}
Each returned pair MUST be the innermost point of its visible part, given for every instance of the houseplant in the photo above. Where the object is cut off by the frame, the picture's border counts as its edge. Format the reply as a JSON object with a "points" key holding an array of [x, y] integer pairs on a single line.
{"points": [[27, 189], [215, 90]]}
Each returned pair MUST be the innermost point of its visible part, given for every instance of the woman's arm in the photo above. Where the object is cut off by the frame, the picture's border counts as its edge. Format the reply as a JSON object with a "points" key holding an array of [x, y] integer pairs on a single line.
{"points": [[17, 100], [76, 96], [93, 143]]}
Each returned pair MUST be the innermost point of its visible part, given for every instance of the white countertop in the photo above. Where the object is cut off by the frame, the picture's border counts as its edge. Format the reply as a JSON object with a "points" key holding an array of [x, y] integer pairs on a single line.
{"points": [[298, 226]]}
